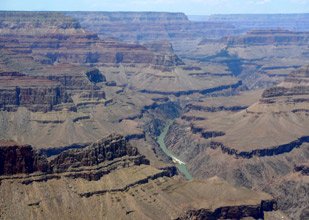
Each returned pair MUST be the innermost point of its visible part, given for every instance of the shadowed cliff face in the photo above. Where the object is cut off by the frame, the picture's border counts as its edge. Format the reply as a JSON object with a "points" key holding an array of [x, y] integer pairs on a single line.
{"points": [[16, 159], [95, 76], [104, 150]]}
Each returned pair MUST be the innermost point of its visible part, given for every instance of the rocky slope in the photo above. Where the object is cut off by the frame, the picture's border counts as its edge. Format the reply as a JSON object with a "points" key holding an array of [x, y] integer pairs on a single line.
{"points": [[113, 174], [66, 81], [283, 106], [257, 146]]}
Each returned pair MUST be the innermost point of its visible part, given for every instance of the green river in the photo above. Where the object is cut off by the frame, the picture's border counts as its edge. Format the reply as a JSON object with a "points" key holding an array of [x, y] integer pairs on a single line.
{"points": [[179, 164]]}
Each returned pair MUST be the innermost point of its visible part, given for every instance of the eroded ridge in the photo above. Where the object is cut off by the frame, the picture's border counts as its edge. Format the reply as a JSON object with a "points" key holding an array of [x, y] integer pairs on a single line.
{"points": [[90, 162]]}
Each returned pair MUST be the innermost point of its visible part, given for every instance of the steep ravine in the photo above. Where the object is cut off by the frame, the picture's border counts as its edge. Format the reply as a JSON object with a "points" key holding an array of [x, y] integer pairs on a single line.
{"points": [[179, 164], [271, 173], [158, 119]]}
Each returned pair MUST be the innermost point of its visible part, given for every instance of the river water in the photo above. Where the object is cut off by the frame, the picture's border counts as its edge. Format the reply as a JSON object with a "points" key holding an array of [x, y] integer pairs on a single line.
{"points": [[181, 166]]}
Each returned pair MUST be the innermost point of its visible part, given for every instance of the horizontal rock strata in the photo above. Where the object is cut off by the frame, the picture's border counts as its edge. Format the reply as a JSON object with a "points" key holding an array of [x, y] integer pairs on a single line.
{"points": [[90, 162]]}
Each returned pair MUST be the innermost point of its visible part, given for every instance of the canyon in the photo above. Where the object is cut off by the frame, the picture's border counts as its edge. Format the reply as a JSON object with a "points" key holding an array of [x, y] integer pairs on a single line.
{"points": [[146, 115], [258, 146]]}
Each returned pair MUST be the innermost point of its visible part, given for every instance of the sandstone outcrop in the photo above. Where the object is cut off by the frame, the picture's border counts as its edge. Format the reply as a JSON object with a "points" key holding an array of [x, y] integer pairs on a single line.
{"points": [[236, 212], [282, 91], [270, 37], [295, 86], [18, 159], [15, 159], [35, 93], [64, 41], [107, 149]]}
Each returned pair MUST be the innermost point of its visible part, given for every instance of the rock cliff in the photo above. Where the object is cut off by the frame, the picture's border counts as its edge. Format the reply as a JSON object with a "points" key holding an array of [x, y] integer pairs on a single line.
{"points": [[64, 41], [270, 37], [107, 149], [18, 159], [155, 25], [236, 212], [34, 93], [15, 159]]}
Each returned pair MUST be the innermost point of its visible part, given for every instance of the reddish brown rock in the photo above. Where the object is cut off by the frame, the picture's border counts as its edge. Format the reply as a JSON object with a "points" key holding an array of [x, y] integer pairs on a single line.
{"points": [[114, 146], [64, 41], [35, 93], [232, 212], [16, 158]]}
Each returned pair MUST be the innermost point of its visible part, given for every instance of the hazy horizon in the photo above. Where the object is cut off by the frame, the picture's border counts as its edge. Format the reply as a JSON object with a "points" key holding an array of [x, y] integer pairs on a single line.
{"points": [[189, 7], [202, 15]]}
